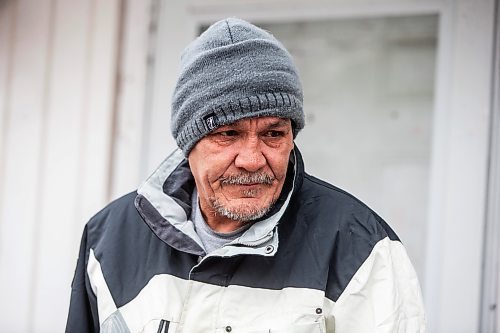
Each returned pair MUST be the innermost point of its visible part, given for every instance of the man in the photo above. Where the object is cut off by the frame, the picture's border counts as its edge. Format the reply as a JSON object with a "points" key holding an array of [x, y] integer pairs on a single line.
{"points": [[230, 234]]}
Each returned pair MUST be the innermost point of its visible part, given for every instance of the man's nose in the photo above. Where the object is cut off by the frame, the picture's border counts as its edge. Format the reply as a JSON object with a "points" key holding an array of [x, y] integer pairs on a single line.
{"points": [[250, 156]]}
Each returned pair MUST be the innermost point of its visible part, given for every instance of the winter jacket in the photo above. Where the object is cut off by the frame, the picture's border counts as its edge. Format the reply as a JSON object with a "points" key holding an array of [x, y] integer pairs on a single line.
{"points": [[321, 261]]}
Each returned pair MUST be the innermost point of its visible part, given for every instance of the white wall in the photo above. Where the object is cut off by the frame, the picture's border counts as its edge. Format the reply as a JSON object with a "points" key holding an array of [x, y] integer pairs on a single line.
{"points": [[57, 82]]}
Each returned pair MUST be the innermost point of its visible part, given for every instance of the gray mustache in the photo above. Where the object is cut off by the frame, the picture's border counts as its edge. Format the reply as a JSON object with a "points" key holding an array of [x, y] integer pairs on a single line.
{"points": [[247, 179]]}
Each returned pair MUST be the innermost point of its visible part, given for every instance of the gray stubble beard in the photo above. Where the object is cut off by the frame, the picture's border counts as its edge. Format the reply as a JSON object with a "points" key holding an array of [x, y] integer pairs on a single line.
{"points": [[240, 214], [244, 213]]}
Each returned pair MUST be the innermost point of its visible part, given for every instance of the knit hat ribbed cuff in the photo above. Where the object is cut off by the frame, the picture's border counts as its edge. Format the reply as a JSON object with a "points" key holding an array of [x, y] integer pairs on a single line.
{"points": [[281, 105]]}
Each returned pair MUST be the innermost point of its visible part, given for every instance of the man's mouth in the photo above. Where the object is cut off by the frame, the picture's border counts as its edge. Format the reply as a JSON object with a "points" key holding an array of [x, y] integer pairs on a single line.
{"points": [[248, 179]]}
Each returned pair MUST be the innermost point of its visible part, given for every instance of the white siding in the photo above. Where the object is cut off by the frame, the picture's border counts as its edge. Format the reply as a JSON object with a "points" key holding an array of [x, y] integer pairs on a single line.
{"points": [[57, 86], [22, 158], [131, 100]]}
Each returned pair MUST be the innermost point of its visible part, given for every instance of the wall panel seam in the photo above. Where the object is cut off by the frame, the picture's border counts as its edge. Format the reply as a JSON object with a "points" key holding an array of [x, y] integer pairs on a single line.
{"points": [[4, 133], [39, 186], [122, 8]]}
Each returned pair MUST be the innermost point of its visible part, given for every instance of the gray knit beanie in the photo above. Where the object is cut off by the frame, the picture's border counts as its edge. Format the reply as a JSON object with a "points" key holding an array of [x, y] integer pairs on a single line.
{"points": [[234, 70]]}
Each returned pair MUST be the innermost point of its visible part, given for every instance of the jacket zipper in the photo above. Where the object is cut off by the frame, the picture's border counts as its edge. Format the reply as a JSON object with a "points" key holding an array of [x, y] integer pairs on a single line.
{"points": [[162, 325], [253, 244]]}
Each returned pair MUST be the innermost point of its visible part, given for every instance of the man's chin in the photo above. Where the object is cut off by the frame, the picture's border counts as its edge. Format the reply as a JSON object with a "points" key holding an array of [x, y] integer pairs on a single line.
{"points": [[243, 213]]}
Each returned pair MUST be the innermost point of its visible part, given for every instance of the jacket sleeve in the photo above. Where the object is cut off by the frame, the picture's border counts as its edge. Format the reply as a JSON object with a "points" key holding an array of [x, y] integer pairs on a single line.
{"points": [[83, 316], [383, 295]]}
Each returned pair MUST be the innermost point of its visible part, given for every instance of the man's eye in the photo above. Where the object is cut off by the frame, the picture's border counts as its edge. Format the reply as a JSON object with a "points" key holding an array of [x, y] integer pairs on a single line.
{"points": [[274, 134], [228, 133]]}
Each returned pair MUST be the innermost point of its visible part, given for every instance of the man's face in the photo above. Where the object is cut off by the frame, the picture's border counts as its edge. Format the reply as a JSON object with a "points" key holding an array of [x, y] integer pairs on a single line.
{"points": [[240, 169]]}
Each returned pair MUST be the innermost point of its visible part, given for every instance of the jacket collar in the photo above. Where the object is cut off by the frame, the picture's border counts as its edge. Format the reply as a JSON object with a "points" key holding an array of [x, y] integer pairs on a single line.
{"points": [[164, 202]]}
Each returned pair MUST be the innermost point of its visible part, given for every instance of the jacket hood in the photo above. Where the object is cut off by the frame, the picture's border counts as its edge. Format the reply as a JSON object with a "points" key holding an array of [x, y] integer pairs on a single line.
{"points": [[164, 202]]}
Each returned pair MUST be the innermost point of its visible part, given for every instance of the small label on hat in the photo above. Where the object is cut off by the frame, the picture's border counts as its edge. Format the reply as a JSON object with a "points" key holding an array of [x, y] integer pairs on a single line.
{"points": [[211, 121]]}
